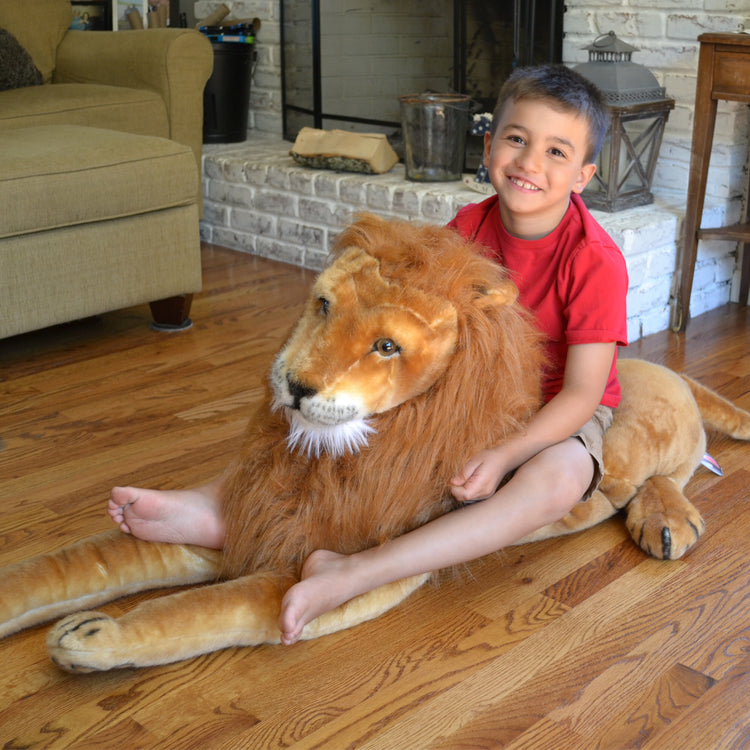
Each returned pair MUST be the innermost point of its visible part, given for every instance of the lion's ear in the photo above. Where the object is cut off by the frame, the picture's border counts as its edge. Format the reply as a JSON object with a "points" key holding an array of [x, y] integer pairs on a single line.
{"points": [[505, 293]]}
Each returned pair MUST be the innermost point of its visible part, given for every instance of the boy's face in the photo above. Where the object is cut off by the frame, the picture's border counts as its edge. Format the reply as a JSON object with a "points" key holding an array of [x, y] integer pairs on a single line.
{"points": [[535, 160]]}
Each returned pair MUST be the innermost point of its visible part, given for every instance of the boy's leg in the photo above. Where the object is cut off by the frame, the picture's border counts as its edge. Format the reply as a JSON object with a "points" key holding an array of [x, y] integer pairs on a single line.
{"points": [[192, 516], [541, 491]]}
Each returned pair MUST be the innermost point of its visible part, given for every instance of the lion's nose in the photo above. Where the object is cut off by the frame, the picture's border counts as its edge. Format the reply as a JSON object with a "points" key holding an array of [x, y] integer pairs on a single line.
{"points": [[298, 391]]}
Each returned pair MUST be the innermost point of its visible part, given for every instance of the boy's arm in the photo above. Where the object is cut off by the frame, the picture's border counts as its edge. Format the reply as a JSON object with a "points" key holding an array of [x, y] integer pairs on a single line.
{"points": [[586, 374]]}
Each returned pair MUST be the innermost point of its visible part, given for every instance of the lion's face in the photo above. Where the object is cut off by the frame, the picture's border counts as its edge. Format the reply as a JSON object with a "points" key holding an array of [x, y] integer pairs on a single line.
{"points": [[362, 346]]}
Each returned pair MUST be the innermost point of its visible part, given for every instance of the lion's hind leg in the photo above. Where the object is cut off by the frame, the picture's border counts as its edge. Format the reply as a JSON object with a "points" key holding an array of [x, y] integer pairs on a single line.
{"points": [[662, 521]]}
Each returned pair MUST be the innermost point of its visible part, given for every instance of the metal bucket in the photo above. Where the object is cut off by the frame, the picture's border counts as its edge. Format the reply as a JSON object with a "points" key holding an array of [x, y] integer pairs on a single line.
{"points": [[434, 127]]}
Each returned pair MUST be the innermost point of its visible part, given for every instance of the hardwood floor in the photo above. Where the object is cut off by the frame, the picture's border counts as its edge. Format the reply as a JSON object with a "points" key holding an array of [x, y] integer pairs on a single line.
{"points": [[579, 642]]}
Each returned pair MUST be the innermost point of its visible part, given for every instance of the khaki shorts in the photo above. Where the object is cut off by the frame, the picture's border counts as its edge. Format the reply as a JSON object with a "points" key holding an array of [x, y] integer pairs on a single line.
{"points": [[592, 437]]}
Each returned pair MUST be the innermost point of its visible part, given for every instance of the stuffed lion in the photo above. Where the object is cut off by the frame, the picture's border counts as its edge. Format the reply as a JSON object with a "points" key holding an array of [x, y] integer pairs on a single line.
{"points": [[410, 356]]}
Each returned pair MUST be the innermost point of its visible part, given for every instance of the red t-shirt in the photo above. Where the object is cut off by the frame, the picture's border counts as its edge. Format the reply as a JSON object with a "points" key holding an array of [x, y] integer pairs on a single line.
{"points": [[574, 280]]}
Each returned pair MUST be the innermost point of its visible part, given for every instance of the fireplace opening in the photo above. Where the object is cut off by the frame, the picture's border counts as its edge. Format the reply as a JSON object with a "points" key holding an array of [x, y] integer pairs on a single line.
{"points": [[346, 62]]}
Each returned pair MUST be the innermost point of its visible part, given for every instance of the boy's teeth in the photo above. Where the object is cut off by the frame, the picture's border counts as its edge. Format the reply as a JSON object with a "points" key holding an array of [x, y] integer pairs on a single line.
{"points": [[523, 184]]}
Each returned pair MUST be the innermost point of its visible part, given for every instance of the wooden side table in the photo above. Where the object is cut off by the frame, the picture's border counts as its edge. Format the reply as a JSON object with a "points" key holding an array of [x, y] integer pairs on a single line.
{"points": [[723, 73]]}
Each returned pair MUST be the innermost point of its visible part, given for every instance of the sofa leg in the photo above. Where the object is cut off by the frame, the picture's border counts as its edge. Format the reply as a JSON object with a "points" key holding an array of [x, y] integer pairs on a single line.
{"points": [[172, 314]]}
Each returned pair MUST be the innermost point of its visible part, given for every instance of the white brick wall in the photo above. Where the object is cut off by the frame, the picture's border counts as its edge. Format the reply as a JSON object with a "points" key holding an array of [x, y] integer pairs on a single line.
{"points": [[257, 200]]}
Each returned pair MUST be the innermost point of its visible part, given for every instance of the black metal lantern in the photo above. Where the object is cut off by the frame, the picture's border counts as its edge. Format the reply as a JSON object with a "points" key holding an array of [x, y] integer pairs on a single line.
{"points": [[639, 109]]}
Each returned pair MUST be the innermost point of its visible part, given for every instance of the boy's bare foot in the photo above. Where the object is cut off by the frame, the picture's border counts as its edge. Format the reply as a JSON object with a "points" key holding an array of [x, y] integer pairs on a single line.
{"points": [[176, 516], [326, 583]]}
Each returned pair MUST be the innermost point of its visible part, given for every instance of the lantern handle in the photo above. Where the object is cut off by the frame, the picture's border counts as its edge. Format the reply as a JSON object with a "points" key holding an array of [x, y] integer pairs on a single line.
{"points": [[603, 39]]}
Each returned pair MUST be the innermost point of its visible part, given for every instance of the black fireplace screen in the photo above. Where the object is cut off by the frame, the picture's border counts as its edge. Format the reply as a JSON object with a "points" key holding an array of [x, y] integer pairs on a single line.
{"points": [[346, 62]]}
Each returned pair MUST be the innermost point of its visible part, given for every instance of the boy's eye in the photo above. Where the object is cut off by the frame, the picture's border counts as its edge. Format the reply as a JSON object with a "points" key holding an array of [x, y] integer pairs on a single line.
{"points": [[516, 139], [557, 152]]}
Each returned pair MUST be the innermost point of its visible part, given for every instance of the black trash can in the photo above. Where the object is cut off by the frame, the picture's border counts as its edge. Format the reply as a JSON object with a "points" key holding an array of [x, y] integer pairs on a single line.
{"points": [[226, 97]]}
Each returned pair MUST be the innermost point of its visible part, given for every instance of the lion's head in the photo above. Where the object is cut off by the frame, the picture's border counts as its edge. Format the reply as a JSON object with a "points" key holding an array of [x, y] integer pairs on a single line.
{"points": [[381, 326]]}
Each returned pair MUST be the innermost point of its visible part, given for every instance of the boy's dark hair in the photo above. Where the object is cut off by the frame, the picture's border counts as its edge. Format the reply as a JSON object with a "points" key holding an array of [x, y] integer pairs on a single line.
{"points": [[564, 90]]}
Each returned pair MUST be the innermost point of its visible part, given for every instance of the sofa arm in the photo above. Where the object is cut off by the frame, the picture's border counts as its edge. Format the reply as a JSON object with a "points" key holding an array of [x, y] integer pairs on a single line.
{"points": [[175, 63]]}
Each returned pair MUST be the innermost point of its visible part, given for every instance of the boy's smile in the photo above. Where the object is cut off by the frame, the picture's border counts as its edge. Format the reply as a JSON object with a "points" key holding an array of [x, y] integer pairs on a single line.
{"points": [[535, 160]]}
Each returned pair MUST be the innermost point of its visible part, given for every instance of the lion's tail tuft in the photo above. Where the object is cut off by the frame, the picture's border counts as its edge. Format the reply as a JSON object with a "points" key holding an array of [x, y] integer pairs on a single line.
{"points": [[719, 413]]}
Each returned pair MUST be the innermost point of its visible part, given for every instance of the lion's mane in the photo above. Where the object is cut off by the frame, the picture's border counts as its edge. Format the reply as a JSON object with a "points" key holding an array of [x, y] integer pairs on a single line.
{"points": [[280, 505]]}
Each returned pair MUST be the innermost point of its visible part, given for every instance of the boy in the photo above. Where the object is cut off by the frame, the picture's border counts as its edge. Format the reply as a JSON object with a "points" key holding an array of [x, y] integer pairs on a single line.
{"points": [[548, 126]]}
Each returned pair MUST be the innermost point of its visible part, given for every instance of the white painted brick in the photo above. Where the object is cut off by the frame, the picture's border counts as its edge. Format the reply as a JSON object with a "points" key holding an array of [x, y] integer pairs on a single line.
{"points": [[637, 269], [703, 277], [230, 193], [437, 208], [326, 184], [655, 321], [315, 259], [253, 222], [703, 300], [300, 181], [406, 203], [728, 6], [663, 261], [280, 179], [725, 267], [324, 212], [300, 233], [269, 248], [680, 87], [280, 203], [213, 168], [215, 213], [380, 197], [645, 226], [236, 240], [266, 122], [632, 23], [232, 171], [634, 328], [690, 26], [255, 174], [354, 191]]}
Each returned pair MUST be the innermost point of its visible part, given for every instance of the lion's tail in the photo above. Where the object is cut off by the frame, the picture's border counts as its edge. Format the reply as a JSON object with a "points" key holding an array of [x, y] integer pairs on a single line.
{"points": [[719, 413]]}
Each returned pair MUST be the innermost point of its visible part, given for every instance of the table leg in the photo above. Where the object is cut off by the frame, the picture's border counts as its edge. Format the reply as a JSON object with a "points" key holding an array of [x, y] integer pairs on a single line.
{"points": [[703, 134]]}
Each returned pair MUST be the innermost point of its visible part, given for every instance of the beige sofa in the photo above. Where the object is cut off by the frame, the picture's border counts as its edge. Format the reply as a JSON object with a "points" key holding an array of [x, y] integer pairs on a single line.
{"points": [[99, 170]]}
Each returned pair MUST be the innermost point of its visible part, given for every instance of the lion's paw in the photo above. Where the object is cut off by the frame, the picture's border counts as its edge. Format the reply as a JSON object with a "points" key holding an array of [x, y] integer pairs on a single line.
{"points": [[669, 535], [86, 642]]}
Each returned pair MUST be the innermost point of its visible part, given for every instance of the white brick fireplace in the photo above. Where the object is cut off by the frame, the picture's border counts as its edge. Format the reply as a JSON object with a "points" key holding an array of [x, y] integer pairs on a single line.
{"points": [[257, 200]]}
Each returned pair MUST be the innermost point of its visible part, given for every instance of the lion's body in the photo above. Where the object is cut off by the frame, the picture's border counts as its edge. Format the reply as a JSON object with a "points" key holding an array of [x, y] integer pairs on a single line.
{"points": [[410, 356]]}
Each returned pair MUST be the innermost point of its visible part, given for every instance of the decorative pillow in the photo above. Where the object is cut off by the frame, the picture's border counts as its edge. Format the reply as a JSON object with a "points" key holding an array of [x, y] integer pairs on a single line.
{"points": [[17, 69]]}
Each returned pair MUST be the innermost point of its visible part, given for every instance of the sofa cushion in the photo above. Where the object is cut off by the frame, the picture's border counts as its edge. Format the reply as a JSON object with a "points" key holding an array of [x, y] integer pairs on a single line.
{"points": [[132, 110], [39, 26], [64, 175], [17, 69]]}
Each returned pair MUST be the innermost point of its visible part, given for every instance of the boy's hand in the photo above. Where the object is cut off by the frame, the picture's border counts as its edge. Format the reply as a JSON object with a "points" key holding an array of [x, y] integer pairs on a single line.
{"points": [[480, 478]]}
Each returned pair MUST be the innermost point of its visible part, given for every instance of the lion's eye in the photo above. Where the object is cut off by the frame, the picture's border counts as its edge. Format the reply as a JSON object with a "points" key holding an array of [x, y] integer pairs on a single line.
{"points": [[323, 306], [386, 347]]}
